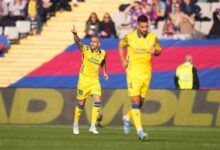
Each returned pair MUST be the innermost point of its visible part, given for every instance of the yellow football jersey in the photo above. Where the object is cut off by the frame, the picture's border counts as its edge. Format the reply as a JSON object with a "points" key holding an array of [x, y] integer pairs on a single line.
{"points": [[139, 55], [91, 63]]}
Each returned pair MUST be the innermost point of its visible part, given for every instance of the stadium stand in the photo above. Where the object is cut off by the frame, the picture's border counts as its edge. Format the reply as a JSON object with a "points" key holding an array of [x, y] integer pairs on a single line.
{"points": [[33, 51]]}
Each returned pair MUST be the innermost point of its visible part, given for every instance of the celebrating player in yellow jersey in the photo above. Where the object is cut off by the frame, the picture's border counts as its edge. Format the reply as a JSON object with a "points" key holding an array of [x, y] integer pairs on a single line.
{"points": [[141, 46], [88, 83]]}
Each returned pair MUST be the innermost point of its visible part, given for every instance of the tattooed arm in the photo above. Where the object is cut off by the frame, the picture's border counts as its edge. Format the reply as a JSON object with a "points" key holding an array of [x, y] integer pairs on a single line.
{"points": [[76, 38]]}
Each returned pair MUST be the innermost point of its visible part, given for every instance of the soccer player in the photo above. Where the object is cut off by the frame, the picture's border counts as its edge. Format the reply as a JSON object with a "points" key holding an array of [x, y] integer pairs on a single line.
{"points": [[142, 45], [88, 84]]}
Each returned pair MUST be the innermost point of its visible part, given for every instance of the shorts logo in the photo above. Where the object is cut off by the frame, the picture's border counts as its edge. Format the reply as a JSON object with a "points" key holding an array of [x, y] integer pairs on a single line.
{"points": [[80, 92]]}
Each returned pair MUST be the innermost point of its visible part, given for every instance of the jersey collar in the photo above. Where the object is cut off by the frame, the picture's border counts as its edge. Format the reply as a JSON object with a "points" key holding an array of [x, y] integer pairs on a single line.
{"points": [[139, 35], [98, 52]]}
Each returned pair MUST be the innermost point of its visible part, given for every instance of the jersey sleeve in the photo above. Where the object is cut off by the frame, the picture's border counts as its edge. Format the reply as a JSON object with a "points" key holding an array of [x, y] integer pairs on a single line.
{"points": [[157, 44], [124, 41], [84, 48]]}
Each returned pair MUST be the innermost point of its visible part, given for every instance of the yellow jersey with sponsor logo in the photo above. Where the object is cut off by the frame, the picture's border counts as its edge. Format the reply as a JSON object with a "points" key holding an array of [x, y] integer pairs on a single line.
{"points": [[91, 63], [139, 55]]}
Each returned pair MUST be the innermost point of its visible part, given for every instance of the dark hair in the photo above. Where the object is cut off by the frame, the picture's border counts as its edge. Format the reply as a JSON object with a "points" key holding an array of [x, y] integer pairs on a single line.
{"points": [[90, 17], [95, 36], [142, 18]]}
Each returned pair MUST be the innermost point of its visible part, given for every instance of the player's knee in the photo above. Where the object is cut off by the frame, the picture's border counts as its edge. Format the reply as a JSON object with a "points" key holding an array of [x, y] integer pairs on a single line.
{"points": [[96, 98], [80, 104]]}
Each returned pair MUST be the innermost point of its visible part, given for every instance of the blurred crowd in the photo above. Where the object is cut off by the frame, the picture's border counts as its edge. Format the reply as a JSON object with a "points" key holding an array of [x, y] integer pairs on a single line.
{"points": [[37, 11], [104, 28], [178, 18]]}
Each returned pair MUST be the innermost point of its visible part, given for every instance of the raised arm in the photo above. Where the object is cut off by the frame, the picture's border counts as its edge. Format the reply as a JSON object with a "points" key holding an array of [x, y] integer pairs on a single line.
{"points": [[76, 38]]}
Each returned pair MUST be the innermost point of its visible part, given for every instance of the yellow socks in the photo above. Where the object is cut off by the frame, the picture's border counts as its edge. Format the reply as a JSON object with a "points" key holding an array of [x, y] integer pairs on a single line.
{"points": [[129, 115], [136, 115], [78, 112], [95, 112]]}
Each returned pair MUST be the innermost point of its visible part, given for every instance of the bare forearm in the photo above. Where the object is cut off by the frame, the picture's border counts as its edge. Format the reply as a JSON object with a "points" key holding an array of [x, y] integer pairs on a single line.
{"points": [[77, 40], [104, 68], [121, 54]]}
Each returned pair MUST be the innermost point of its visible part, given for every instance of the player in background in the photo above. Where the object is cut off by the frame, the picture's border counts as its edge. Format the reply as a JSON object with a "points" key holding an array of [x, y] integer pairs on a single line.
{"points": [[88, 84], [141, 46]]}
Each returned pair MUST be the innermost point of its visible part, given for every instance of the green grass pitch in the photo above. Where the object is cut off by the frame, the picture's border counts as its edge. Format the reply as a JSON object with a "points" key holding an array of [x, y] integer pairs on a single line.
{"points": [[56, 137]]}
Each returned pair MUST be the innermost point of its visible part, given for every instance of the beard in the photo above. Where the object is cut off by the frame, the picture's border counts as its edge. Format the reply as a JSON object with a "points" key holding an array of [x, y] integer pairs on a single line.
{"points": [[143, 33]]}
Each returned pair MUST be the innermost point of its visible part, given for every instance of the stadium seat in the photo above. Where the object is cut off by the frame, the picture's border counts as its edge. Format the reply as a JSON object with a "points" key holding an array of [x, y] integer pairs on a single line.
{"points": [[205, 9], [120, 18], [205, 27], [214, 6], [121, 24], [160, 25], [23, 27], [11, 33], [157, 32], [197, 25]]}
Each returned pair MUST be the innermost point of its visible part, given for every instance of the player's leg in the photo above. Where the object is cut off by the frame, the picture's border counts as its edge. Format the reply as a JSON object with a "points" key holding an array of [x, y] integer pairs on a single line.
{"points": [[127, 121], [132, 90], [134, 87], [82, 94], [136, 115], [77, 113], [143, 91], [127, 118], [95, 113], [96, 95]]}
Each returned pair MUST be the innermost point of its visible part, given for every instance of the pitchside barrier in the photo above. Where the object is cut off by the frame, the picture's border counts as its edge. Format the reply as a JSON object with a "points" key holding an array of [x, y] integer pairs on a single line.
{"points": [[161, 107]]}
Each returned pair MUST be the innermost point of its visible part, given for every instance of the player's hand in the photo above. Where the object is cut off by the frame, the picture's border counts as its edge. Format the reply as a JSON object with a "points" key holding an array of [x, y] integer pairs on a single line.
{"points": [[74, 31], [125, 64], [105, 75], [152, 50]]}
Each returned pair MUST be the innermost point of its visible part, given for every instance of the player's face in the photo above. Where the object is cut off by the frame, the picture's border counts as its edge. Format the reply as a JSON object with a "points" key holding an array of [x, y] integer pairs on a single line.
{"points": [[143, 28], [94, 43]]}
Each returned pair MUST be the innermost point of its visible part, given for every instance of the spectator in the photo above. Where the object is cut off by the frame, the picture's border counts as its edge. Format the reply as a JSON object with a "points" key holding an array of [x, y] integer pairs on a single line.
{"points": [[63, 5], [5, 20], [3, 9], [151, 15], [134, 10], [215, 30], [168, 28], [186, 75], [107, 27], [175, 15], [173, 5], [168, 7], [160, 7], [186, 26], [92, 25], [188, 7], [16, 9], [34, 11], [182, 23], [46, 9]]}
